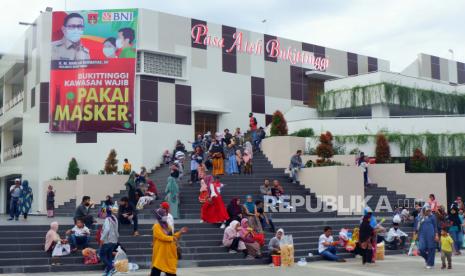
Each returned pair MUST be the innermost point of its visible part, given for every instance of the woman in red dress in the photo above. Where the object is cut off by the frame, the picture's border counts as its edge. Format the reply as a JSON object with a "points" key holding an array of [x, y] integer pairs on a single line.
{"points": [[213, 210]]}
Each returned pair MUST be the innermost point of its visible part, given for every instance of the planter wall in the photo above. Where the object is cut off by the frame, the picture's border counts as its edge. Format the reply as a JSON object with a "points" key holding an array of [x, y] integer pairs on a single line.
{"points": [[279, 149], [95, 186]]}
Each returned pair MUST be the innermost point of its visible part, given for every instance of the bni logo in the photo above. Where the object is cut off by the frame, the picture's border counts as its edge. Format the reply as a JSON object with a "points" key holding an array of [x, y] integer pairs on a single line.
{"points": [[117, 16]]}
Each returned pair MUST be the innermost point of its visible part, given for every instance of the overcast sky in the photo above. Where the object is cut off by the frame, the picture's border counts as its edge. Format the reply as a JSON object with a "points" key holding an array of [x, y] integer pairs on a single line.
{"points": [[396, 30]]}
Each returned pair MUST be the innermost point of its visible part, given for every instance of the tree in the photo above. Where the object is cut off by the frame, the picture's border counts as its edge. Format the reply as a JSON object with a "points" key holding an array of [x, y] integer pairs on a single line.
{"points": [[278, 124], [418, 162], [111, 164], [325, 149], [383, 151], [73, 169]]}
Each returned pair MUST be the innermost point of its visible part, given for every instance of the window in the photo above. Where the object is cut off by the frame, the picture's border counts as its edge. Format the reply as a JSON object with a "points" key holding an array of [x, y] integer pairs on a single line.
{"points": [[159, 64]]}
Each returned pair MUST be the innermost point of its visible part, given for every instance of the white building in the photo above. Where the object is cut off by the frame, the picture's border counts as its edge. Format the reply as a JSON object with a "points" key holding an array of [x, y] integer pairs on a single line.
{"points": [[183, 88]]}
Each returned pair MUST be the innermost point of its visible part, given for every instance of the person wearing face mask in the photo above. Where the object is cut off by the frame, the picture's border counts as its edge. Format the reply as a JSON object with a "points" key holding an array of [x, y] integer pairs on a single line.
{"points": [[164, 254], [124, 42], [109, 48], [70, 47]]}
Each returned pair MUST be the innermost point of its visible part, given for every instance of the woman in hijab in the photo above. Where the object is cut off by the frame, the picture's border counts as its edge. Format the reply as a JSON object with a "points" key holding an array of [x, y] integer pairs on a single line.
{"points": [[366, 236], [217, 155], [52, 239], [213, 210], [274, 247], [109, 238], [26, 198], [164, 254], [50, 202], [247, 157], [455, 228], [426, 227], [250, 212], [246, 234], [239, 161], [234, 210], [230, 151], [231, 238], [172, 196]]}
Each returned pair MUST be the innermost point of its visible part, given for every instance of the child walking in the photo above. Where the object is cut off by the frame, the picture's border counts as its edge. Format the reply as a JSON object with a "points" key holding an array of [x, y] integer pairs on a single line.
{"points": [[446, 249]]}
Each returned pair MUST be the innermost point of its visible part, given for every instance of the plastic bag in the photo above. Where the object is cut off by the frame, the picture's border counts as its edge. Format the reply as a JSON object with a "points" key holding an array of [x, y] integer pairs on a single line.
{"points": [[287, 251], [121, 261], [61, 250], [413, 250]]}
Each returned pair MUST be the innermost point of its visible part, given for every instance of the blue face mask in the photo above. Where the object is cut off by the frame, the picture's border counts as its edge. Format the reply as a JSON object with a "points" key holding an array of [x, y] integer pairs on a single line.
{"points": [[109, 51], [74, 35]]}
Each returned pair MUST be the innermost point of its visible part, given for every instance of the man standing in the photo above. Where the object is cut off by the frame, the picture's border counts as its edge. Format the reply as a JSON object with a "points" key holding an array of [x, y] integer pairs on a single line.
{"points": [[125, 39], [70, 47], [295, 165], [127, 214], [15, 192], [327, 246], [83, 212]]}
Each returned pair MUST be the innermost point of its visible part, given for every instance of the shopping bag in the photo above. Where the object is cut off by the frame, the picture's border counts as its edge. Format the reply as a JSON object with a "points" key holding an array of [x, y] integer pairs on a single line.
{"points": [[260, 238], [287, 251], [61, 250]]}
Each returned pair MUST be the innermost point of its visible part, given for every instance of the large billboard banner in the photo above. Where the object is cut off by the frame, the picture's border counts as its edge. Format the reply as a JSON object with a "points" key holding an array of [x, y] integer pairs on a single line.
{"points": [[93, 71]]}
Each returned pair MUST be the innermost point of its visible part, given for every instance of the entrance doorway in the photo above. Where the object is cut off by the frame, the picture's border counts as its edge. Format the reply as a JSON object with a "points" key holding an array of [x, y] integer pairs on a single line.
{"points": [[205, 122], [315, 88]]}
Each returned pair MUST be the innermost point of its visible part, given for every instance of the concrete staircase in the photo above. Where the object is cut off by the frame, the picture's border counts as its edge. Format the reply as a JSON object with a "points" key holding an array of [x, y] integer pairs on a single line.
{"points": [[21, 245], [393, 198]]}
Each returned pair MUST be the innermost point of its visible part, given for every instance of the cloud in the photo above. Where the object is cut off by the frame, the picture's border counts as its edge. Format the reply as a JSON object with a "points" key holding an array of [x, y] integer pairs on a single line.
{"points": [[395, 30]]}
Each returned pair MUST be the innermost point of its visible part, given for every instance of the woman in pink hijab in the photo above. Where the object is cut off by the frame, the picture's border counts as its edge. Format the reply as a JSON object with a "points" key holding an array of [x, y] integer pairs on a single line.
{"points": [[51, 240], [247, 236]]}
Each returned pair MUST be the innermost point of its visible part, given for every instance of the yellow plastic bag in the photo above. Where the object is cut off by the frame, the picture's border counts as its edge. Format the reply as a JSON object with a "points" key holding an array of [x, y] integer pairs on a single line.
{"points": [[380, 251], [287, 251]]}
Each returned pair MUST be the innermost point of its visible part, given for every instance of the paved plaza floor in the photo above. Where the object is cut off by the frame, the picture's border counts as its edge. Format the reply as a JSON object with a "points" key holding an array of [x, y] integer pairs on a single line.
{"points": [[392, 265]]}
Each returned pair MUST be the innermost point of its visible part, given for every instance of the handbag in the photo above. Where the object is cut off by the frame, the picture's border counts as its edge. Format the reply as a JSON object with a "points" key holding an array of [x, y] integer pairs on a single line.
{"points": [[61, 250]]}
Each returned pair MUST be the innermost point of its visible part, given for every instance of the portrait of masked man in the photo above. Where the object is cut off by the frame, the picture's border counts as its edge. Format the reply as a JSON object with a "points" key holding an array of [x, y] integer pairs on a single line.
{"points": [[70, 47]]}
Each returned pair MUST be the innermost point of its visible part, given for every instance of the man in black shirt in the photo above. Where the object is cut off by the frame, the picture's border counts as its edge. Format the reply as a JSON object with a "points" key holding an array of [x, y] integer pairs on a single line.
{"points": [[127, 214]]}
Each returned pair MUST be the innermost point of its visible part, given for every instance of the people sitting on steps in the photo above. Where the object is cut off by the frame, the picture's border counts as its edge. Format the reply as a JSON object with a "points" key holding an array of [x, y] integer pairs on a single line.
{"points": [[232, 238], [264, 216], [127, 214], [79, 235], [52, 239], [327, 246], [83, 212], [295, 165], [247, 236], [274, 247], [395, 238], [234, 210]]}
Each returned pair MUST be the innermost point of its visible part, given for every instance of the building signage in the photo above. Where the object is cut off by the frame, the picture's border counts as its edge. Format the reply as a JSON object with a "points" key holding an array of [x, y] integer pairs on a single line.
{"points": [[93, 70], [273, 48]]}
